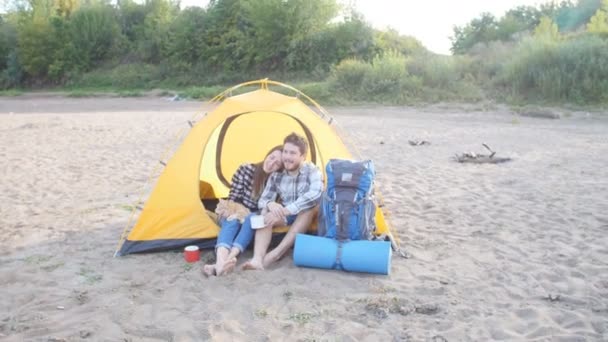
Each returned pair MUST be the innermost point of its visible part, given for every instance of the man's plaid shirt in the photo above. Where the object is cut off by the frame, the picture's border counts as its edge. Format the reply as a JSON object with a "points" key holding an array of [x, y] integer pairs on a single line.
{"points": [[297, 193]]}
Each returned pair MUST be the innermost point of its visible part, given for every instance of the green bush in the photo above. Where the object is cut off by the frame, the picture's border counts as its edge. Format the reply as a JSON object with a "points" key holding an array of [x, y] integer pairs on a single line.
{"points": [[318, 91], [348, 77], [445, 78], [395, 79], [13, 74], [387, 77], [127, 76], [574, 70], [94, 33], [201, 93]]}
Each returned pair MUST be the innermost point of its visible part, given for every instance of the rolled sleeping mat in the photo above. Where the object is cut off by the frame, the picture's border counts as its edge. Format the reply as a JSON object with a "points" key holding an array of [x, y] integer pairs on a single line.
{"points": [[367, 256], [353, 256]]}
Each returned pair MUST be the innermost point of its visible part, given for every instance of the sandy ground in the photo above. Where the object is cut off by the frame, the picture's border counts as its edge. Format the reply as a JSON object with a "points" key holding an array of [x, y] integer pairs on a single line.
{"points": [[516, 251]]}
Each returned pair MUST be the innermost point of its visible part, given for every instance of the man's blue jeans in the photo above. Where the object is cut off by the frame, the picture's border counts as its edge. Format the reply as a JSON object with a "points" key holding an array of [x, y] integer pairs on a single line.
{"points": [[234, 234]]}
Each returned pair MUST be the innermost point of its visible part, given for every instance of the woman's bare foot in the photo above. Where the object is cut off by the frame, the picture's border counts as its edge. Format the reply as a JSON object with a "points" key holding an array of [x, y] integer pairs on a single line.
{"points": [[209, 270], [228, 267], [253, 264]]}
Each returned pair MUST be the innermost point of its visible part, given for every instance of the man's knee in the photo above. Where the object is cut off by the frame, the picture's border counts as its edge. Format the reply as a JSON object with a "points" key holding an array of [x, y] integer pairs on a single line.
{"points": [[308, 215], [304, 220]]}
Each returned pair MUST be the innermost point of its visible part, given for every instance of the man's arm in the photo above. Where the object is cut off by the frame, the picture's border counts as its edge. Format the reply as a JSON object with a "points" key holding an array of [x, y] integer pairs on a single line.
{"points": [[308, 200], [270, 192]]}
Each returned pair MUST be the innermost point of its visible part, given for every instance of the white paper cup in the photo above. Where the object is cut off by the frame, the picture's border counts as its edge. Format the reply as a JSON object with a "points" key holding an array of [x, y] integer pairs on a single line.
{"points": [[257, 221]]}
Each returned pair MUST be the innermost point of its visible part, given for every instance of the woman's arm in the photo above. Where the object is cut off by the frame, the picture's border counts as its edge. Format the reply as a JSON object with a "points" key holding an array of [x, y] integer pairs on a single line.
{"points": [[239, 180]]}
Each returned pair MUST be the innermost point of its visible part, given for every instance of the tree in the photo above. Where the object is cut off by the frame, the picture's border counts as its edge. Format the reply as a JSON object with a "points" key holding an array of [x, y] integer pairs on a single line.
{"points": [[391, 40], [6, 33], [131, 18], [547, 30], [159, 15], [479, 30], [35, 44], [185, 45], [94, 31], [275, 24], [599, 22], [318, 52], [570, 16]]}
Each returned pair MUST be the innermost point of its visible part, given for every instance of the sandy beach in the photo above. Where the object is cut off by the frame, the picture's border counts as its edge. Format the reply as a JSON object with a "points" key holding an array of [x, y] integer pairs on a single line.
{"points": [[515, 251]]}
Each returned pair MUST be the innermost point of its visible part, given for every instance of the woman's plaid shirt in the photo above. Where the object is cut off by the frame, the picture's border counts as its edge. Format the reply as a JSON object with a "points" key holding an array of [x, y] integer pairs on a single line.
{"points": [[242, 187]]}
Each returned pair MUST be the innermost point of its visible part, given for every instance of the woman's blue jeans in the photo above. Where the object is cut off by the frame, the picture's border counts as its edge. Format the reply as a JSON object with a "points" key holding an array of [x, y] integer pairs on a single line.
{"points": [[234, 234]]}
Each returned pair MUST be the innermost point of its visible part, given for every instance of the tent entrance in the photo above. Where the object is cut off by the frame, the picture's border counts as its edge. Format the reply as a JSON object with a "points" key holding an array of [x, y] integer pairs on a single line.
{"points": [[245, 138]]}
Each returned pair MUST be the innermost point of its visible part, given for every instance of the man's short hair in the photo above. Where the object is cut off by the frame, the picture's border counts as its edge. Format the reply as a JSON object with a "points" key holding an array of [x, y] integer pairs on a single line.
{"points": [[297, 140]]}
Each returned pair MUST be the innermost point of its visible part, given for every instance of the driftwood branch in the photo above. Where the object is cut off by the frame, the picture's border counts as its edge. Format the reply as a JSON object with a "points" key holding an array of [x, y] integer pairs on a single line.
{"points": [[418, 142], [472, 157]]}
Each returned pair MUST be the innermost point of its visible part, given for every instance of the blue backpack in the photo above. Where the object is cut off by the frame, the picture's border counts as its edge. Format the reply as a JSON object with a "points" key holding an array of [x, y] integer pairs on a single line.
{"points": [[347, 210]]}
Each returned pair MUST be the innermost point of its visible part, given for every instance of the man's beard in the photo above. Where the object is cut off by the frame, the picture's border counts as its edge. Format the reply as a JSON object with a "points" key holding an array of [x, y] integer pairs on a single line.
{"points": [[293, 166]]}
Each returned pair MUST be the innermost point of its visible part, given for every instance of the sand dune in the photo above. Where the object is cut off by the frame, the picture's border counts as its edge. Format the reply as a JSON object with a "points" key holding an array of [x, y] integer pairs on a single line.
{"points": [[515, 251]]}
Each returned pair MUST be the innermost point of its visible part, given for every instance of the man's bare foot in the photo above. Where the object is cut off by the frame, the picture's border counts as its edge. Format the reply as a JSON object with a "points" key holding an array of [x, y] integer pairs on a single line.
{"points": [[228, 267], [209, 270], [272, 257], [254, 265]]}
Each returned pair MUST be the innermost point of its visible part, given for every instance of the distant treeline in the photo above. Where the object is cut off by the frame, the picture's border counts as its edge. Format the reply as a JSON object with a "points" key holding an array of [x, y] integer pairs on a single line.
{"points": [[53, 41], [550, 53]]}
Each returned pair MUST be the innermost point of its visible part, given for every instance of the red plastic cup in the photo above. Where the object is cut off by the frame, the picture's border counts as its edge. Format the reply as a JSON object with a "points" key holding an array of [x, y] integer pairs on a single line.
{"points": [[192, 254]]}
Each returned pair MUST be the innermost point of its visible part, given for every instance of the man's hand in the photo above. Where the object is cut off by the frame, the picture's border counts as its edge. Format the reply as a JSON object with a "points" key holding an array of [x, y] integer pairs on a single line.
{"points": [[272, 220], [277, 209]]}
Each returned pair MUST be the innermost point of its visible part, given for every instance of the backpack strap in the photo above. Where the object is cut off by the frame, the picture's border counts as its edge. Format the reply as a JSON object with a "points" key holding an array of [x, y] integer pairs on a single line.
{"points": [[338, 264]]}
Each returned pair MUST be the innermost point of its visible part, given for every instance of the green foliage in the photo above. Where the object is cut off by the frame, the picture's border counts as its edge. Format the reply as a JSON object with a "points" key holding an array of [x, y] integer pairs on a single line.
{"points": [[598, 23], [35, 46], [185, 45], [516, 22], [445, 78], [547, 30], [125, 76], [335, 57], [479, 30], [320, 51], [573, 70], [201, 93], [388, 78], [159, 15], [391, 40], [278, 23], [354, 38], [385, 79], [11, 92], [348, 77], [570, 16], [11, 72], [94, 32], [7, 33], [131, 16], [63, 57], [226, 39], [319, 91]]}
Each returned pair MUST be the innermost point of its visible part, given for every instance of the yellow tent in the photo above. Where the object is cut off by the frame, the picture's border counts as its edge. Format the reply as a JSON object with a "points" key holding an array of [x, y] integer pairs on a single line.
{"points": [[242, 128]]}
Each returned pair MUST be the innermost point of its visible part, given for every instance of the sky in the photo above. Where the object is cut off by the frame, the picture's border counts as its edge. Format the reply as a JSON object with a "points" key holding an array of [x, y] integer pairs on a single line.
{"points": [[430, 21]]}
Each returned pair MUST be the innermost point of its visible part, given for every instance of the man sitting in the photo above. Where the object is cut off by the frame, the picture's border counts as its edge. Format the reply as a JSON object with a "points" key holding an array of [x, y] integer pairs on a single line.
{"points": [[299, 186]]}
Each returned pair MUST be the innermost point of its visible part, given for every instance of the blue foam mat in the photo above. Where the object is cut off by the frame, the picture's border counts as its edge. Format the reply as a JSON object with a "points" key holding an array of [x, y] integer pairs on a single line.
{"points": [[353, 256]]}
